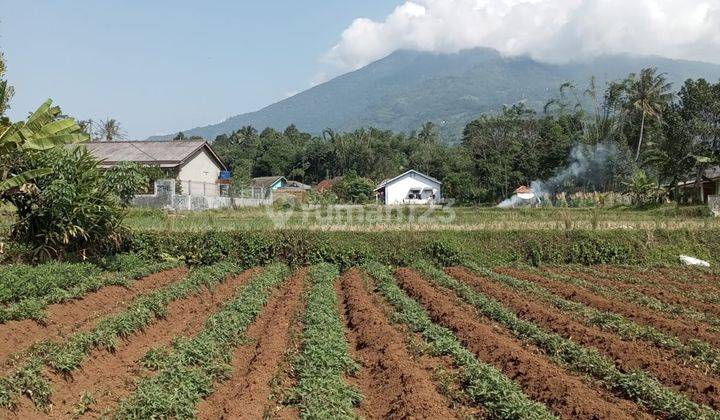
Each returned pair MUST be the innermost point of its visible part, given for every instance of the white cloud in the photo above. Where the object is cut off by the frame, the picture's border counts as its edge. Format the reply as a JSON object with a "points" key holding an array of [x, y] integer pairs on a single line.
{"points": [[548, 30]]}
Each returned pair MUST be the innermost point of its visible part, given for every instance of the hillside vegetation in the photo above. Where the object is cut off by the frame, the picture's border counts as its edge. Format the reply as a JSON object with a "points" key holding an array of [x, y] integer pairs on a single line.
{"points": [[408, 88]]}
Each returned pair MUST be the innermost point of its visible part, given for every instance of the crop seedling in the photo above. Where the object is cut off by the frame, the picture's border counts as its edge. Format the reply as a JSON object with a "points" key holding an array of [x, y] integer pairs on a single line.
{"points": [[636, 385], [486, 386], [189, 371], [321, 391]]}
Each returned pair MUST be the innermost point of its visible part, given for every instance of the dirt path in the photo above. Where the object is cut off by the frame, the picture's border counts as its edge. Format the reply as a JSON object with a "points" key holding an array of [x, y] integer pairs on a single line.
{"points": [[392, 383], [109, 377], [540, 378], [683, 329], [662, 294], [78, 315], [630, 355], [247, 393]]}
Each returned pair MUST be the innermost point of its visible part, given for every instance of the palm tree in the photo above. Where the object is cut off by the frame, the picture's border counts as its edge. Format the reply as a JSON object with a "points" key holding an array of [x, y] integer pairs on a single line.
{"points": [[110, 130], [428, 132], [650, 94]]}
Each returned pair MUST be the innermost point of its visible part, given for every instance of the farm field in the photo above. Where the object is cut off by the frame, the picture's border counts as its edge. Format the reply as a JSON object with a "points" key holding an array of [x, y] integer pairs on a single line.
{"points": [[224, 340], [378, 218], [373, 218]]}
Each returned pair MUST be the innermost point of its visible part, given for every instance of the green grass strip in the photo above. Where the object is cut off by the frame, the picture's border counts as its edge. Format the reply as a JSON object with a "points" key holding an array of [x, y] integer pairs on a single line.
{"points": [[636, 297], [85, 281], [694, 351], [189, 371], [321, 392], [487, 386], [69, 356], [636, 385]]}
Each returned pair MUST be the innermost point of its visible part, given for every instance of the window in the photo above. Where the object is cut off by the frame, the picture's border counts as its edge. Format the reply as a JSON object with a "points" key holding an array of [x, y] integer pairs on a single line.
{"points": [[414, 194]]}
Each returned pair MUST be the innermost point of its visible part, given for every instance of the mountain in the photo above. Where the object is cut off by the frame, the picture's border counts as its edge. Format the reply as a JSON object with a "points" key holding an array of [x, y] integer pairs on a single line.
{"points": [[408, 88]]}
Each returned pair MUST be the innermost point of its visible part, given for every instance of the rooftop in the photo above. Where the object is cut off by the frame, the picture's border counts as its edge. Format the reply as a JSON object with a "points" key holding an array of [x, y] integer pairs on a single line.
{"points": [[265, 181], [166, 154]]}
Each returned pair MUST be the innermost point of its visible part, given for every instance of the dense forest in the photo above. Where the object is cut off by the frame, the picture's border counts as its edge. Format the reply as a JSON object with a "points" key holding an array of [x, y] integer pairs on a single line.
{"points": [[640, 130]]}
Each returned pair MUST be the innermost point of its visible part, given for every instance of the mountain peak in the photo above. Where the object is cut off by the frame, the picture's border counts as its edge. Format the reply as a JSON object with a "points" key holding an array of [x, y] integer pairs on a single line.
{"points": [[407, 88]]}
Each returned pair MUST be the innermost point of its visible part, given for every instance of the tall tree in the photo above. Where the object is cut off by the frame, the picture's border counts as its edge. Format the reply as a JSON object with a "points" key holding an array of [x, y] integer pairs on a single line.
{"points": [[648, 93], [110, 130], [6, 93]]}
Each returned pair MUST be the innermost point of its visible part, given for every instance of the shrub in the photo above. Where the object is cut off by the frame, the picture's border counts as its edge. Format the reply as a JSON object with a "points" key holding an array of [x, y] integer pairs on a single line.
{"points": [[354, 189], [127, 179], [444, 254], [71, 210]]}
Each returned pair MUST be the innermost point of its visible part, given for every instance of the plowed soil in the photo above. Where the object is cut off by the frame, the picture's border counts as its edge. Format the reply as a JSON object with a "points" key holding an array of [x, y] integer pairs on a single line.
{"points": [[247, 393], [629, 355], [662, 277], [78, 315], [393, 384], [540, 378], [109, 377], [662, 294], [697, 276], [683, 329]]}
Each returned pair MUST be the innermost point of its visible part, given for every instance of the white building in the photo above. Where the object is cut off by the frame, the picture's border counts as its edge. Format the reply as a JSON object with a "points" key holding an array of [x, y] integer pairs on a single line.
{"points": [[411, 187], [192, 162]]}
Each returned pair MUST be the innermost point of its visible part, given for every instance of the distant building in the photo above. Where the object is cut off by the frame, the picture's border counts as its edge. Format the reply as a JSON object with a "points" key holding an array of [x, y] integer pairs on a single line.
{"points": [[709, 184], [295, 185], [189, 161], [411, 187], [269, 182]]}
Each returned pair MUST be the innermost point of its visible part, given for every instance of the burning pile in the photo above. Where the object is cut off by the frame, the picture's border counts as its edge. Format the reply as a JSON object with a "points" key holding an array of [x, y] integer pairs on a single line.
{"points": [[521, 196]]}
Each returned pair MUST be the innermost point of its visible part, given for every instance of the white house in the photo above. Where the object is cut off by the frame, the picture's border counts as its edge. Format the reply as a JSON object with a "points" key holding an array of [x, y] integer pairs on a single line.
{"points": [[411, 187], [190, 162]]}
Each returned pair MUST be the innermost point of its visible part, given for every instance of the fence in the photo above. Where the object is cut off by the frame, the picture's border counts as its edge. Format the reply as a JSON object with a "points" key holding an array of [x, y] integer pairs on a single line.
{"points": [[185, 195], [714, 203]]}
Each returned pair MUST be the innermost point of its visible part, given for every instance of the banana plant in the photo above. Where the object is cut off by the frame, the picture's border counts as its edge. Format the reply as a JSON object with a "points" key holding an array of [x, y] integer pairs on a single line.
{"points": [[43, 130]]}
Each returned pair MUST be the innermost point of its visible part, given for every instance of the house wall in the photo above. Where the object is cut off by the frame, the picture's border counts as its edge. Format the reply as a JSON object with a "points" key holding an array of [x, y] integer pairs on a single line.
{"points": [[201, 168], [397, 191]]}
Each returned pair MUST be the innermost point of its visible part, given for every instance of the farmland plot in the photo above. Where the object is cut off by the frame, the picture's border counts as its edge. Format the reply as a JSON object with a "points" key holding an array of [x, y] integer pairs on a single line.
{"points": [[225, 341]]}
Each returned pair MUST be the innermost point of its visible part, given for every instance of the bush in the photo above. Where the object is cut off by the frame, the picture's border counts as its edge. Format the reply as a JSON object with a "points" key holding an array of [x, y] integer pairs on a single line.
{"points": [[354, 189], [127, 179], [74, 210], [347, 249]]}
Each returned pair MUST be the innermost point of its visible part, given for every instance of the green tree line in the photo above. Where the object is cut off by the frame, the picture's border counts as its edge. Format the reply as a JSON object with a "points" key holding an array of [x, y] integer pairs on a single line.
{"points": [[653, 133]]}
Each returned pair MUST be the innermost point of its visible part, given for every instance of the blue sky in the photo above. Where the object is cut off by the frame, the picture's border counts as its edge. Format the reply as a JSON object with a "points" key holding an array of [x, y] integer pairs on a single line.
{"points": [[160, 66]]}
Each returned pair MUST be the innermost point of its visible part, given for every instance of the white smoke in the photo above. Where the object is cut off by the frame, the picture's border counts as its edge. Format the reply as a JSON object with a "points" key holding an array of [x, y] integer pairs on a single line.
{"points": [[548, 30], [589, 168], [514, 201]]}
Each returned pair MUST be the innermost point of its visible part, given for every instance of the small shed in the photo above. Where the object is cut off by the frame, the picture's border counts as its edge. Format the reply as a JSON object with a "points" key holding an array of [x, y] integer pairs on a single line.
{"points": [[709, 184], [411, 187], [269, 182]]}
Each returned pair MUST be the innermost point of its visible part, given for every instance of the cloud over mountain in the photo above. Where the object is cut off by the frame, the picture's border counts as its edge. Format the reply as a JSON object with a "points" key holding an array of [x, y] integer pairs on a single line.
{"points": [[548, 30]]}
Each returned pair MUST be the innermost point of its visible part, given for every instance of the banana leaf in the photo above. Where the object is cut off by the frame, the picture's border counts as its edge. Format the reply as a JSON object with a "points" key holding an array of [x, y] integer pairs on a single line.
{"points": [[18, 180]]}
